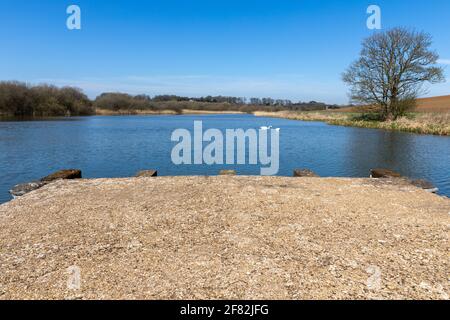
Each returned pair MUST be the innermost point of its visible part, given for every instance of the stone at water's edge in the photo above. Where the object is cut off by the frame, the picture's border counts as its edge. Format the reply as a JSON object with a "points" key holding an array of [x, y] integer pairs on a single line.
{"points": [[24, 188], [389, 174], [299, 173], [147, 174], [63, 175], [384, 173], [227, 173], [424, 184]]}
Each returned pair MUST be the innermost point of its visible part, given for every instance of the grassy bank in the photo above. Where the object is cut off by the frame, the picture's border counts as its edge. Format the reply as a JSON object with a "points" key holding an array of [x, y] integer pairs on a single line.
{"points": [[423, 123]]}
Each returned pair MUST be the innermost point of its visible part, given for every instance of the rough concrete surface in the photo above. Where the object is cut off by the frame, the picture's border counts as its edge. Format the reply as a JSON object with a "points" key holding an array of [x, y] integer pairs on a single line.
{"points": [[225, 237]]}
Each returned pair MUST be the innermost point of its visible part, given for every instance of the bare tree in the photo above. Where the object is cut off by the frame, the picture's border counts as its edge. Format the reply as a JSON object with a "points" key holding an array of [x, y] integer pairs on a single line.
{"points": [[392, 69]]}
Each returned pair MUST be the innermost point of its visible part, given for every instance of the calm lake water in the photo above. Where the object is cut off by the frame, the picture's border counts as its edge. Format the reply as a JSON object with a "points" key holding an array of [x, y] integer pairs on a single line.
{"points": [[122, 145]]}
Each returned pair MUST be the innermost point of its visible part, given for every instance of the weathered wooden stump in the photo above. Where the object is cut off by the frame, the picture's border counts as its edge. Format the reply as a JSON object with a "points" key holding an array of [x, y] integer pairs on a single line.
{"points": [[227, 172], [304, 173], [384, 173], [147, 174], [63, 175]]}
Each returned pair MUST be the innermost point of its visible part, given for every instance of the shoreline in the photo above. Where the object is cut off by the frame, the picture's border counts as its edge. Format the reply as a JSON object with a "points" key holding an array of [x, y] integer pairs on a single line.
{"points": [[425, 123], [437, 124], [103, 112]]}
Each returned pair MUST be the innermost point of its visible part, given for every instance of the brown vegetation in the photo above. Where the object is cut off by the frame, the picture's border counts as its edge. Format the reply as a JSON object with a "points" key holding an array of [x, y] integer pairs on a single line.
{"points": [[20, 99], [423, 123], [439, 104], [121, 112], [434, 104]]}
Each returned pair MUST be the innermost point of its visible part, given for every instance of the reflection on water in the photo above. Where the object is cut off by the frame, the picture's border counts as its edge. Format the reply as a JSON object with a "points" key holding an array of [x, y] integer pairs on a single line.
{"points": [[122, 145]]}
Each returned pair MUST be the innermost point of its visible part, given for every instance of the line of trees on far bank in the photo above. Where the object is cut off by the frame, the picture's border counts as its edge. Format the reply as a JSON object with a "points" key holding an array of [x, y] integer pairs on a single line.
{"points": [[126, 102], [20, 99]]}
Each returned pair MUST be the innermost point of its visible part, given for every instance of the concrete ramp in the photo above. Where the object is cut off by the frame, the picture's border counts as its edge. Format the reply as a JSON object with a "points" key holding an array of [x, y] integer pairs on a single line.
{"points": [[225, 237]]}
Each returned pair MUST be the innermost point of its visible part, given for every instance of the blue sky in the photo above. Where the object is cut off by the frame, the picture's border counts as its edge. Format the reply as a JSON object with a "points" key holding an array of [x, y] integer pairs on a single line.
{"points": [[294, 49]]}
